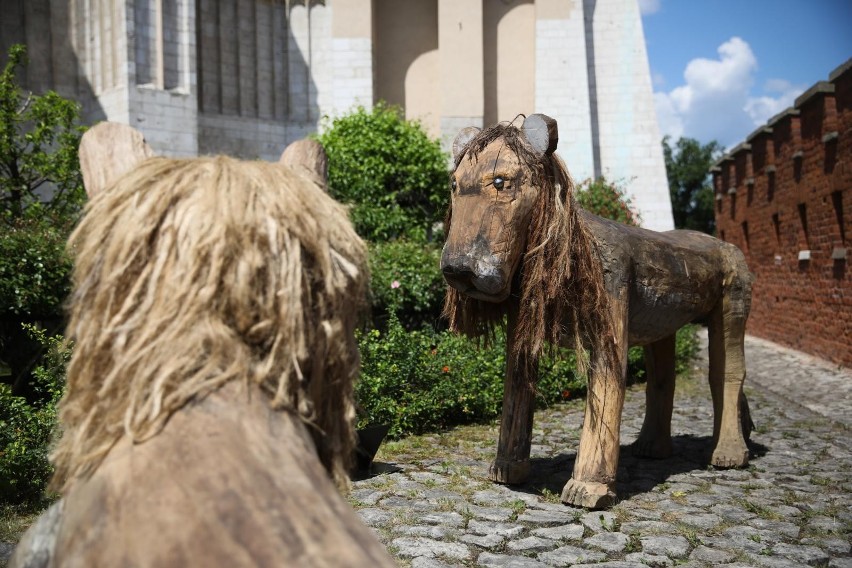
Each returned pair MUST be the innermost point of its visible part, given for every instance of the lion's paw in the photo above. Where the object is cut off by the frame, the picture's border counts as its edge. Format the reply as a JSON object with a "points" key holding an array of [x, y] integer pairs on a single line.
{"points": [[588, 494], [509, 472]]}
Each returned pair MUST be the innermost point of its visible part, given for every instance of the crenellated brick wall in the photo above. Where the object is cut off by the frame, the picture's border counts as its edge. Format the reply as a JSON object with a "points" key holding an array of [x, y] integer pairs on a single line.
{"points": [[784, 196]]}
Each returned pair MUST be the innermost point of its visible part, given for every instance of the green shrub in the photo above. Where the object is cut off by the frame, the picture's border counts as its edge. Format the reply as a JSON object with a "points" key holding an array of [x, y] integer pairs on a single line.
{"points": [[421, 380], [34, 269], [406, 280], [607, 200], [389, 170], [26, 428], [39, 136]]}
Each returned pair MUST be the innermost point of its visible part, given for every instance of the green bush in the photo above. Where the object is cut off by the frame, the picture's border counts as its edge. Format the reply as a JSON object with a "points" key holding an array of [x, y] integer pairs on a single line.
{"points": [[39, 137], [406, 280], [389, 170], [26, 428], [422, 380], [34, 269], [607, 200]]}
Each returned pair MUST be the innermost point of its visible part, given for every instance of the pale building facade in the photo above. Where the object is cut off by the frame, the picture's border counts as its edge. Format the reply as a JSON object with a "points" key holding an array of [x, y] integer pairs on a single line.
{"points": [[246, 77]]}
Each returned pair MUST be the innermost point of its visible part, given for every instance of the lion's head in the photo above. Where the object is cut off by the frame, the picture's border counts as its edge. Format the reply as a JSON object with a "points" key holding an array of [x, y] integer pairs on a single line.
{"points": [[190, 273]]}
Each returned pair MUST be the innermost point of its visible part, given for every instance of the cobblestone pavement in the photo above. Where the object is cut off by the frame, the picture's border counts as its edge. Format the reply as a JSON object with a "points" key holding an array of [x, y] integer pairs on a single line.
{"points": [[430, 503]]}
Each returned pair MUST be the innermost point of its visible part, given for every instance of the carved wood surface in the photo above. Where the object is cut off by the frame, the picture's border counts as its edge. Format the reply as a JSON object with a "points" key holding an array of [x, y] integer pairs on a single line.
{"points": [[228, 482]]}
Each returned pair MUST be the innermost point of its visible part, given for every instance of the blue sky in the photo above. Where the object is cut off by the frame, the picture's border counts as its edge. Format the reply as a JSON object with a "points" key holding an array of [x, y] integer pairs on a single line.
{"points": [[721, 68]]}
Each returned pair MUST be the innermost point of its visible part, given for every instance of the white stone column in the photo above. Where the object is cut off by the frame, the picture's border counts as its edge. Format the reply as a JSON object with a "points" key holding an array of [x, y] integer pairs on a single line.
{"points": [[351, 55], [629, 136], [562, 85], [461, 66]]}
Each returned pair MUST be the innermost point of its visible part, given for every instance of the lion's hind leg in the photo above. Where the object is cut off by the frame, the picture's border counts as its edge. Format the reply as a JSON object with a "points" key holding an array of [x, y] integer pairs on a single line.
{"points": [[655, 438], [727, 373]]}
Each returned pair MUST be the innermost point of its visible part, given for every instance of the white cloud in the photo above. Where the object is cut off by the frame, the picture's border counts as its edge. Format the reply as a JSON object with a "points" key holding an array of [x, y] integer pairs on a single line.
{"points": [[647, 7], [716, 103]]}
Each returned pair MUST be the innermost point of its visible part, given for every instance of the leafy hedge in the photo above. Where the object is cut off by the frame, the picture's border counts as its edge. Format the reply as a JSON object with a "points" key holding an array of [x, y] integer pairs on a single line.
{"points": [[26, 428], [388, 169], [422, 380], [406, 280]]}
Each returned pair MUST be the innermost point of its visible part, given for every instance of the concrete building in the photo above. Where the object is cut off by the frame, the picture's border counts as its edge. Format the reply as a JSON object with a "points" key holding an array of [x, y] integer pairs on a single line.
{"points": [[245, 77]]}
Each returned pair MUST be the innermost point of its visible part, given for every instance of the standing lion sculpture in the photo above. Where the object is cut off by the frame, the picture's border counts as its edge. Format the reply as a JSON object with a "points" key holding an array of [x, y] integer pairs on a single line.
{"points": [[518, 246], [209, 400]]}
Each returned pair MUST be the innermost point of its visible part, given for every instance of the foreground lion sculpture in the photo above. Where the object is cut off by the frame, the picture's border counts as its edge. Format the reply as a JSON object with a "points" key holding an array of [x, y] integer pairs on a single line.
{"points": [[209, 401], [518, 245]]}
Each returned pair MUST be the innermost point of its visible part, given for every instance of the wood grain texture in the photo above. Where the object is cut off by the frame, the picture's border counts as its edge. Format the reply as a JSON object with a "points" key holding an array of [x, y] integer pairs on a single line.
{"points": [[228, 482], [107, 151]]}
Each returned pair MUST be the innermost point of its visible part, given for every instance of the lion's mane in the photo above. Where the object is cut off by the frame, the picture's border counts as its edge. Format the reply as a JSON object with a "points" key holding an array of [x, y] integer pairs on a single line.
{"points": [[559, 285], [190, 273]]}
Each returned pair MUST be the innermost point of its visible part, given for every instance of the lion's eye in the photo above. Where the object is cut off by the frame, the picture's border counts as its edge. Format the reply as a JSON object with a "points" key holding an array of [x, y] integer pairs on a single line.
{"points": [[498, 183], [453, 184]]}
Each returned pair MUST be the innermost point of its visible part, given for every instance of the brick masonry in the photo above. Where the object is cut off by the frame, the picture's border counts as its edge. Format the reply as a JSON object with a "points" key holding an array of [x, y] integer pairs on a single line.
{"points": [[783, 197]]}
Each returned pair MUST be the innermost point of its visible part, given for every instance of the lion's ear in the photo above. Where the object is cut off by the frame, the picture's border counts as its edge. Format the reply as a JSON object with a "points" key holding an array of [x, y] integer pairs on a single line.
{"points": [[307, 156], [464, 136], [541, 132], [108, 150]]}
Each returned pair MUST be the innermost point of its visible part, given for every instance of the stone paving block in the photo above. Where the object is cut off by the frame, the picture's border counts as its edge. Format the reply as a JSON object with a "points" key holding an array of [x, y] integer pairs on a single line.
{"points": [[531, 544], [613, 564], [538, 517], [484, 541], [375, 517], [424, 530], [646, 527], [608, 541], [732, 513], [826, 524], [489, 498], [653, 560], [367, 496], [428, 476], [397, 502], [563, 532], [674, 546], [810, 555], [490, 560], [570, 555], [487, 513], [599, 521], [840, 563], [450, 518], [411, 547], [426, 562], [704, 521], [836, 546], [490, 527], [787, 529], [768, 561], [711, 556], [734, 544]]}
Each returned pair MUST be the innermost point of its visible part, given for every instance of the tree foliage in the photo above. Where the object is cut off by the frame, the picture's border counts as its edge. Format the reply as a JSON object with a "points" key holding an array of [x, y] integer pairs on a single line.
{"points": [[39, 137], [608, 200], [391, 172], [687, 166]]}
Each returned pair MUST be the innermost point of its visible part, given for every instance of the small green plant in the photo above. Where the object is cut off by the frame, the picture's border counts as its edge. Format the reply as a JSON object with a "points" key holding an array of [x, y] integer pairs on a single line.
{"points": [[389, 170], [406, 280], [607, 199], [39, 136], [26, 428]]}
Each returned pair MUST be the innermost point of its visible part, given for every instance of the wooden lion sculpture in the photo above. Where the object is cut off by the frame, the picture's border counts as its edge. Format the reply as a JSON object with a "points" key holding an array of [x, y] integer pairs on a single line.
{"points": [[209, 400], [518, 245]]}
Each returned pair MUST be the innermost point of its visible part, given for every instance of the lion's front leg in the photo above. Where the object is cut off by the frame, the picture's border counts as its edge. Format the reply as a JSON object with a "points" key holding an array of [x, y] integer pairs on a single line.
{"points": [[593, 481], [512, 464]]}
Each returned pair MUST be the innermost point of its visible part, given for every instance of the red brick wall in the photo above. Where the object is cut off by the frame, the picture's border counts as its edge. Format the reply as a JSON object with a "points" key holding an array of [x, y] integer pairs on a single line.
{"points": [[786, 190]]}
